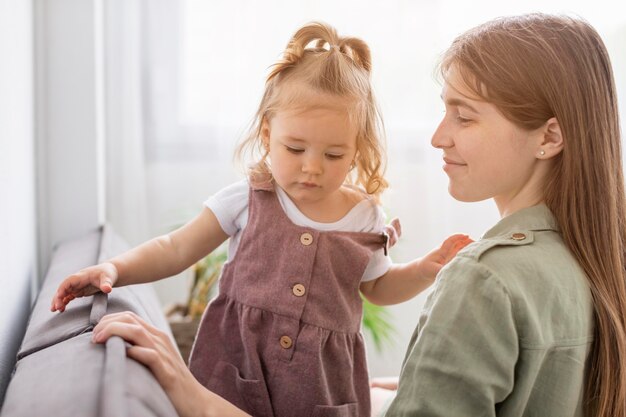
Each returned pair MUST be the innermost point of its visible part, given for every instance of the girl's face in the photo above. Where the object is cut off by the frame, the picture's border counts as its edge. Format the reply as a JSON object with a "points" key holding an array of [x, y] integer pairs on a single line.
{"points": [[311, 152], [486, 155]]}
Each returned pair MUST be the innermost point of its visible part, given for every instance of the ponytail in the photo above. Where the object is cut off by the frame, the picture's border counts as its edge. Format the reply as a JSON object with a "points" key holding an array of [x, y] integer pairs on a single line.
{"points": [[318, 60]]}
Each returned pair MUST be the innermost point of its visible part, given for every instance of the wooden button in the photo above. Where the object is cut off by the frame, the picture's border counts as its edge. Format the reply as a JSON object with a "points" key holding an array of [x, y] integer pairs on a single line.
{"points": [[518, 236], [298, 290], [306, 239], [285, 342]]}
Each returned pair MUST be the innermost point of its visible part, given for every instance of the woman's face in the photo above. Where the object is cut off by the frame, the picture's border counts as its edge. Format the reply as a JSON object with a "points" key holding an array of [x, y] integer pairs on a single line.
{"points": [[486, 155]]}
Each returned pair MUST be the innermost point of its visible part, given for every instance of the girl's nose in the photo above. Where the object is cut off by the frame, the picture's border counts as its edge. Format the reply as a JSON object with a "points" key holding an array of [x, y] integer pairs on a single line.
{"points": [[312, 165]]}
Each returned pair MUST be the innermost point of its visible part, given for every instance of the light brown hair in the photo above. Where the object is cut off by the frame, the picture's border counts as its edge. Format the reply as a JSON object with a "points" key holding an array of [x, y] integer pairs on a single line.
{"points": [[318, 60], [535, 67]]}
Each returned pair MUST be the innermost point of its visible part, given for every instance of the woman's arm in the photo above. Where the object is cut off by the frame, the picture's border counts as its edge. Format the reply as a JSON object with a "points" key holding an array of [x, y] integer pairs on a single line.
{"points": [[463, 354], [154, 349]]}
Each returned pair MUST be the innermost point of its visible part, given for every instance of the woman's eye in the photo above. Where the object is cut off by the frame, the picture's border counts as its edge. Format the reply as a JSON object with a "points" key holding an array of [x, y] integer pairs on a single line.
{"points": [[334, 156], [294, 150], [463, 120]]}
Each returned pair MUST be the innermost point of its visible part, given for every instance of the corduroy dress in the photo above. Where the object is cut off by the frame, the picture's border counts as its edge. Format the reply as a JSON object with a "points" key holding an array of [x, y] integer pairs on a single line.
{"points": [[283, 338]]}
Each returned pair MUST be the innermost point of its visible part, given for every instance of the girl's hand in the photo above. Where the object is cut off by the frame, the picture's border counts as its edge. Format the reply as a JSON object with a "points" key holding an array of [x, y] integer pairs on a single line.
{"points": [[430, 265], [154, 349], [394, 231], [88, 281]]}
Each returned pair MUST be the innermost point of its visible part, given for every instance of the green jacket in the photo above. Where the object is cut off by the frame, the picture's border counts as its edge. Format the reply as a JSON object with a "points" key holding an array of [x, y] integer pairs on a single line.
{"points": [[506, 330]]}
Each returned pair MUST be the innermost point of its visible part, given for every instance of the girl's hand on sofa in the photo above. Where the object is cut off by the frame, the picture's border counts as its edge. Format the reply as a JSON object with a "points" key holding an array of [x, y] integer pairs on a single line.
{"points": [[88, 281], [155, 349]]}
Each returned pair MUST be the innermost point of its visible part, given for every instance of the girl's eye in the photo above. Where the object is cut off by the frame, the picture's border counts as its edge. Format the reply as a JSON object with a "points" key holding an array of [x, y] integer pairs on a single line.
{"points": [[334, 156], [294, 150]]}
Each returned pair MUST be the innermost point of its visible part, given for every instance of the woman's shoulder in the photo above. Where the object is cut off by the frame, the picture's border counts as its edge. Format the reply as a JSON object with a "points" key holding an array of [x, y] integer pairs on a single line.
{"points": [[525, 264], [547, 289]]}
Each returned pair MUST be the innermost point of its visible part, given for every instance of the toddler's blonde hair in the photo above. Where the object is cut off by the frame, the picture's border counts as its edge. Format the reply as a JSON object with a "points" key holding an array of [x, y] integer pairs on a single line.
{"points": [[317, 60]]}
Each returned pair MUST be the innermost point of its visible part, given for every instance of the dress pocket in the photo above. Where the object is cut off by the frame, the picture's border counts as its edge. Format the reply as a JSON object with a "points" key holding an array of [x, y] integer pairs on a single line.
{"points": [[344, 410], [248, 394]]}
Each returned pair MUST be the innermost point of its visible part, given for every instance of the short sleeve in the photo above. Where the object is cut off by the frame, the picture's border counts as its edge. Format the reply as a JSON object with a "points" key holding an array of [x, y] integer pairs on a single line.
{"points": [[230, 206], [380, 262], [462, 357]]}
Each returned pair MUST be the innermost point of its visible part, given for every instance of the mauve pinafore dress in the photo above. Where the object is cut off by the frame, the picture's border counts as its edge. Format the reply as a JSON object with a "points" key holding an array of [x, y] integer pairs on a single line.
{"points": [[282, 337]]}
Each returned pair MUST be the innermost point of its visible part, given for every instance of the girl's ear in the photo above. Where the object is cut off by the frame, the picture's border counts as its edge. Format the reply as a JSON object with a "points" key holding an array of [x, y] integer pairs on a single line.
{"points": [[265, 134], [552, 140]]}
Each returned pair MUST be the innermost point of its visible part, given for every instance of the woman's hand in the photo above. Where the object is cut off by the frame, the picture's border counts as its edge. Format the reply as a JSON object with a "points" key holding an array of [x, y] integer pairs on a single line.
{"points": [[382, 392], [154, 349], [88, 281], [386, 382]]}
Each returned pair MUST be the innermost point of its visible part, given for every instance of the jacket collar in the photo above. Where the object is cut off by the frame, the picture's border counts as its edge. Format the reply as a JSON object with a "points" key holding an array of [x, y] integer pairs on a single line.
{"points": [[533, 218]]}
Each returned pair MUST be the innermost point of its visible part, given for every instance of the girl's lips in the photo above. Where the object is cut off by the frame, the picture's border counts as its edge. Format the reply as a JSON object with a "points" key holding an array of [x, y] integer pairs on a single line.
{"points": [[308, 184]]}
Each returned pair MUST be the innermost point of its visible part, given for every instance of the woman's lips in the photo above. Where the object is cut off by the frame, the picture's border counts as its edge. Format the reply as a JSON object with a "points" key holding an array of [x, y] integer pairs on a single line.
{"points": [[451, 165]]}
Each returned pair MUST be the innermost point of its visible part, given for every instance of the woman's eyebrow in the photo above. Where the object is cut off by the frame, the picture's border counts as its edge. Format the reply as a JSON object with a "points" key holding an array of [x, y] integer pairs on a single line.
{"points": [[459, 102]]}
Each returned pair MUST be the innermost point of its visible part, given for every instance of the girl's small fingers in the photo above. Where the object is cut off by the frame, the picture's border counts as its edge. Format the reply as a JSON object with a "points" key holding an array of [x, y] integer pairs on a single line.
{"points": [[395, 223], [106, 283]]}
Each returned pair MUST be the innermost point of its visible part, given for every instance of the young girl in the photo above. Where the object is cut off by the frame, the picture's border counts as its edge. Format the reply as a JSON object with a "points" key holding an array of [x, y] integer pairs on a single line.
{"points": [[535, 312], [282, 337]]}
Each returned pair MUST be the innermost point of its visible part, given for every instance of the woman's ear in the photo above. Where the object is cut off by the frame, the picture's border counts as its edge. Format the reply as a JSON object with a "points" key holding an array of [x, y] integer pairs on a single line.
{"points": [[551, 139]]}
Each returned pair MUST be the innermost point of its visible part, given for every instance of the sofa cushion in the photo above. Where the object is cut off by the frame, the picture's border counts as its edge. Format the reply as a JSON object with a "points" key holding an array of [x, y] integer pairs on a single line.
{"points": [[61, 369]]}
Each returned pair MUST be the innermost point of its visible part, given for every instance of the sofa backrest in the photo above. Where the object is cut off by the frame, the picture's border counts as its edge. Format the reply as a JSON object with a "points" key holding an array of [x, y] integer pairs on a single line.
{"points": [[60, 372]]}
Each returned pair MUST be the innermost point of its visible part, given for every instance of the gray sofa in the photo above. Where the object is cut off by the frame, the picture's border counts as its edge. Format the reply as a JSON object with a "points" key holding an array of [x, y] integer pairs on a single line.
{"points": [[59, 371]]}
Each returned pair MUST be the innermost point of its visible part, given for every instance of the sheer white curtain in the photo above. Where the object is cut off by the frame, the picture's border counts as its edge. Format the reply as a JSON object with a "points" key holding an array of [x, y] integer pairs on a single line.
{"points": [[206, 67], [124, 133]]}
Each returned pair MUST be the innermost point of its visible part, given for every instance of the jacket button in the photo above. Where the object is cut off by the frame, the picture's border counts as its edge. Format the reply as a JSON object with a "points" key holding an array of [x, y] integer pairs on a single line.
{"points": [[298, 290], [285, 342], [306, 239], [518, 236]]}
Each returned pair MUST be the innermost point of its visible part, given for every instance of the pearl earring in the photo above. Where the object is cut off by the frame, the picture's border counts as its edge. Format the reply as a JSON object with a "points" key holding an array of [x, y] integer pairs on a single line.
{"points": [[542, 152]]}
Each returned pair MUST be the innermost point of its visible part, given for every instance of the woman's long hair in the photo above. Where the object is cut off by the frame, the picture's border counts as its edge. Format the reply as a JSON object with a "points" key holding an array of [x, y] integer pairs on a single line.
{"points": [[535, 67]]}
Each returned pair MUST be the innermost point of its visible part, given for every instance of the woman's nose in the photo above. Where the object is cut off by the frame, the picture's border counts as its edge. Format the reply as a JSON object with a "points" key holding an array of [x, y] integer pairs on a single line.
{"points": [[441, 137]]}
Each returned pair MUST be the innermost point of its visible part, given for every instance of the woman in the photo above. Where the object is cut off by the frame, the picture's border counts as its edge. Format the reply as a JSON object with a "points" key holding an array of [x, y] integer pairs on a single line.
{"points": [[530, 320]]}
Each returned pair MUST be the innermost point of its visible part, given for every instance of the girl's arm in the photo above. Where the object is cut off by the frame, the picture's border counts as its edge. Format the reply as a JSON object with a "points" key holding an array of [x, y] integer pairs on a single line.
{"points": [[404, 281], [154, 349], [170, 254], [158, 258]]}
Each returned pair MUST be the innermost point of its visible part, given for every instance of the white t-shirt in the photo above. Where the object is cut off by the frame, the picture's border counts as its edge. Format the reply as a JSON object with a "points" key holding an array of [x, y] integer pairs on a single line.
{"points": [[230, 206]]}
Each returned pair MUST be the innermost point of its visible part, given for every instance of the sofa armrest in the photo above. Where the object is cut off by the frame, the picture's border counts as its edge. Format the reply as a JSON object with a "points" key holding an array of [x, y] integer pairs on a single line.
{"points": [[60, 372]]}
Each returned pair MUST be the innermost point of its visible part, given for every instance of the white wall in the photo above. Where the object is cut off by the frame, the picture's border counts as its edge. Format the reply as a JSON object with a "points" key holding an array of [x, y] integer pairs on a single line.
{"points": [[17, 181]]}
